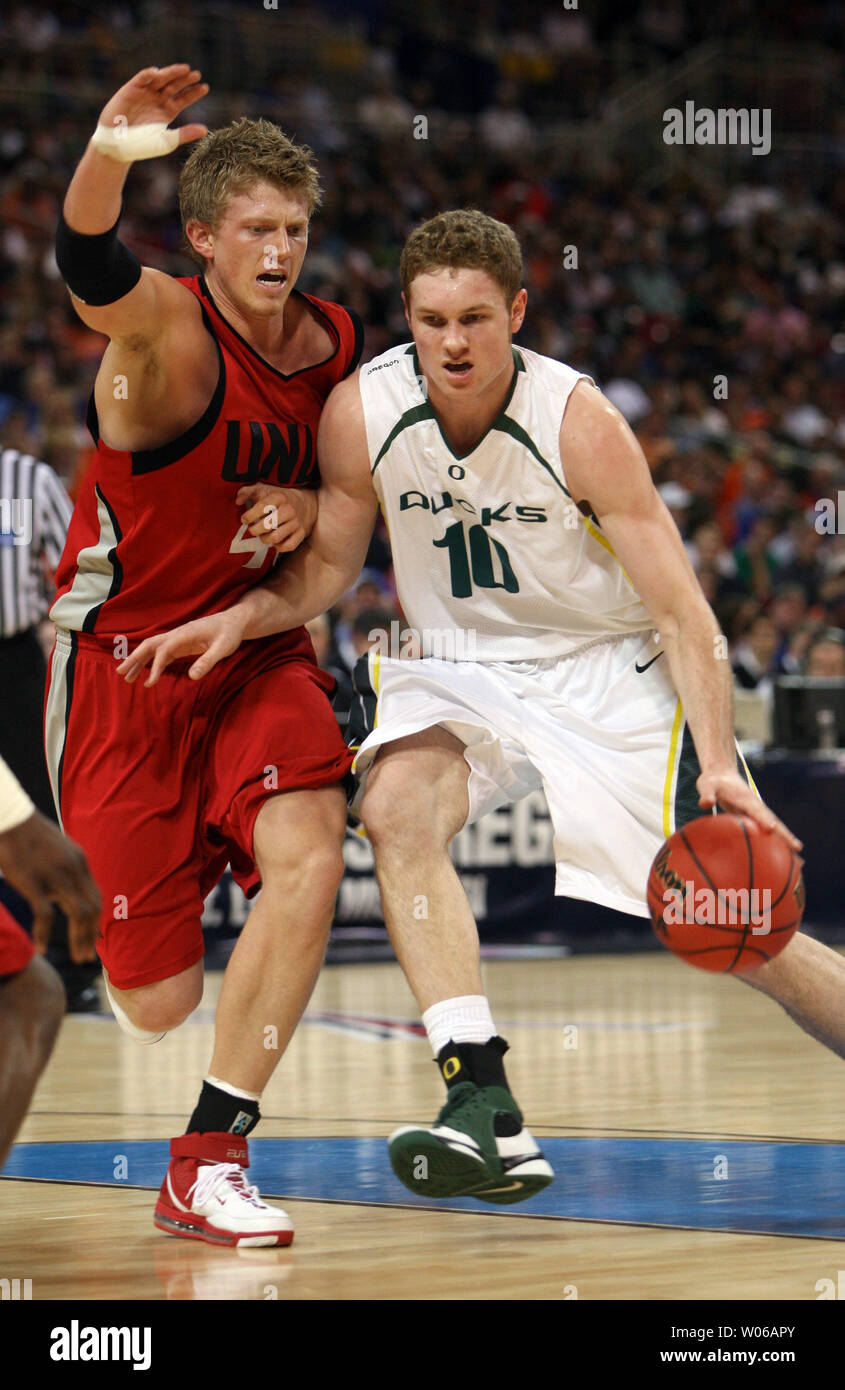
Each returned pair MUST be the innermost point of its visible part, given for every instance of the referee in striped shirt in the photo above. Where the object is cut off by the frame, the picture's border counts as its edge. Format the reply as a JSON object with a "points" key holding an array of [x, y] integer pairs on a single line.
{"points": [[35, 513]]}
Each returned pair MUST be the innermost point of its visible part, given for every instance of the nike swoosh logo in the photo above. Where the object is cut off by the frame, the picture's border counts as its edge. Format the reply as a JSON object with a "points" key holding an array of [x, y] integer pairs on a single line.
{"points": [[640, 669], [511, 1187]]}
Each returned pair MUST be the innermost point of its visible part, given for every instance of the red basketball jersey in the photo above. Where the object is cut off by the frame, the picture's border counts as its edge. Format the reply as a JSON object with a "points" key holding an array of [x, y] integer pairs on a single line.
{"points": [[156, 537]]}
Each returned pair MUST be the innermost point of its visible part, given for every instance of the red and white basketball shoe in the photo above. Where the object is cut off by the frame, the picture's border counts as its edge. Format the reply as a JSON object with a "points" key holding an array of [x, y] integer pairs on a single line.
{"points": [[205, 1196]]}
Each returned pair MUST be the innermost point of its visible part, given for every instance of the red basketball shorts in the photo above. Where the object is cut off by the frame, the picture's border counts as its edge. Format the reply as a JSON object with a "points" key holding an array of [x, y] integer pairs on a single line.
{"points": [[161, 787], [16, 949]]}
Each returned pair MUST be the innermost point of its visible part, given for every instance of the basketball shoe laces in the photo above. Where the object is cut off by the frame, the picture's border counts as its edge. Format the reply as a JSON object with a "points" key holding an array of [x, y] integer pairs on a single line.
{"points": [[213, 1175]]}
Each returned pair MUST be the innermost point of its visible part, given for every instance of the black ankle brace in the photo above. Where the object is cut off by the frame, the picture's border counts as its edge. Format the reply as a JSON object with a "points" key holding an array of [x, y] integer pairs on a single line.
{"points": [[477, 1062], [219, 1113]]}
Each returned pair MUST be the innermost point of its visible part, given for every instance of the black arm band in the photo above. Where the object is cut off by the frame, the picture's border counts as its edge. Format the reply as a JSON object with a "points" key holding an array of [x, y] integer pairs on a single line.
{"points": [[96, 269]]}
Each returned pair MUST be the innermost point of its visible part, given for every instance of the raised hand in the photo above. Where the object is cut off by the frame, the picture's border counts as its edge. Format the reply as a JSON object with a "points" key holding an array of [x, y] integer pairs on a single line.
{"points": [[156, 95]]}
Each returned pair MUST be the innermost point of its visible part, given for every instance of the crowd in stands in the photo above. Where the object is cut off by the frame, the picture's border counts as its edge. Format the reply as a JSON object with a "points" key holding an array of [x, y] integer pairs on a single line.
{"points": [[711, 310]]}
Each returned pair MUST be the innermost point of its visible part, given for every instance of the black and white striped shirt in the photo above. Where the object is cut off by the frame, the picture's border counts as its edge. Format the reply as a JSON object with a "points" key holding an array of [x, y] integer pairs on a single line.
{"points": [[35, 513]]}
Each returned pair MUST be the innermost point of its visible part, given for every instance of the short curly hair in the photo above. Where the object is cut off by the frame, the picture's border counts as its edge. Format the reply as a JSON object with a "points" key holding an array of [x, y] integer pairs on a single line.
{"points": [[234, 159], [463, 238]]}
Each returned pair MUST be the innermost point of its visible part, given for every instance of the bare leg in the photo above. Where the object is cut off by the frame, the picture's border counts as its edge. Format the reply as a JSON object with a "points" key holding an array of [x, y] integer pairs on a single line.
{"points": [[274, 966], [808, 980], [415, 803], [273, 969], [162, 1006], [32, 1004]]}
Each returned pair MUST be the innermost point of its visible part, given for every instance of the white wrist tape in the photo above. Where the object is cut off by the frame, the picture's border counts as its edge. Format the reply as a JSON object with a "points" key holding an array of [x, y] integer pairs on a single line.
{"points": [[126, 143], [15, 805]]}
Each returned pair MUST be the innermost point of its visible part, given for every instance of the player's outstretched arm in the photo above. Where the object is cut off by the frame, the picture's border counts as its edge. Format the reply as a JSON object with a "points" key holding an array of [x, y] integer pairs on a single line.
{"points": [[112, 292], [47, 868], [606, 468], [313, 578]]}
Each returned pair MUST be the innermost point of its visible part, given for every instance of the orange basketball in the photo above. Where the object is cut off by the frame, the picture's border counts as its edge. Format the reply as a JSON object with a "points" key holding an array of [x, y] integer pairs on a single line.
{"points": [[724, 895]]}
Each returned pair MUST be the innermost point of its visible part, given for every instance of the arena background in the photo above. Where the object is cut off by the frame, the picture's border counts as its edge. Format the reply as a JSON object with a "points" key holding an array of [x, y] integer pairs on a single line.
{"points": [[702, 286]]}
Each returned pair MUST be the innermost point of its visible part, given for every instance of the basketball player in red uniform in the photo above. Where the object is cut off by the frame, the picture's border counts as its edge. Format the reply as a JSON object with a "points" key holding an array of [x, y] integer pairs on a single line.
{"points": [[209, 383], [46, 868]]}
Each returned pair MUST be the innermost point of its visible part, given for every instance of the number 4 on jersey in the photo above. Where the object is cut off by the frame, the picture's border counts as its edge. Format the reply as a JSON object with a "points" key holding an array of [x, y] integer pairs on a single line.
{"points": [[483, 550], [243, 542]]}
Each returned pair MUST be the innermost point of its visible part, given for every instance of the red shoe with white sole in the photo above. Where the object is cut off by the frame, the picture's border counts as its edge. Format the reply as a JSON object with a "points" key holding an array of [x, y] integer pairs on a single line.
{"points": [[205, 1196]]}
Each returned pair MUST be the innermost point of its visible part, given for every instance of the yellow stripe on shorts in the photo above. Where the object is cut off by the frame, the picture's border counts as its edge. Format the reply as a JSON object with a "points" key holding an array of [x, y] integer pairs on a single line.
{"points": [[376, 674], [375, 669], [670, 771], [752, 784]]}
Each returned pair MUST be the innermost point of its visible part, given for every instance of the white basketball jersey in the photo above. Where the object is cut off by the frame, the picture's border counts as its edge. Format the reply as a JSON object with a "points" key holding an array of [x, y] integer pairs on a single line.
{"points": [[489, 544]]}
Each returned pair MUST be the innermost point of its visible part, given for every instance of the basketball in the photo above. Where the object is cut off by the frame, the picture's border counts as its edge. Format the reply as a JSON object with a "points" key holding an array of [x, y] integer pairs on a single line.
{"points": [[724, 895]]}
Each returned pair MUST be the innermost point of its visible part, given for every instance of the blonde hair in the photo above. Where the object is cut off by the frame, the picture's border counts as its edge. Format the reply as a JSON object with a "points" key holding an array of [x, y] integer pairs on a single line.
{"points": [[233, 160], [463, 238]]}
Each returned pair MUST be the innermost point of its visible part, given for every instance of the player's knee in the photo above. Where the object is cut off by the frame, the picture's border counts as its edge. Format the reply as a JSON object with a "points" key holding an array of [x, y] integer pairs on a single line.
{"points": [[399, 812], [161, 1007], [156, 1018]]}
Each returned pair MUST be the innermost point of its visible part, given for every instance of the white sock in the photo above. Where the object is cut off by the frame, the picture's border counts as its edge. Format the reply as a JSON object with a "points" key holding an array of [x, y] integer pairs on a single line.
{"points": [[125, 1022], [233, 1090], [465, 1019]]}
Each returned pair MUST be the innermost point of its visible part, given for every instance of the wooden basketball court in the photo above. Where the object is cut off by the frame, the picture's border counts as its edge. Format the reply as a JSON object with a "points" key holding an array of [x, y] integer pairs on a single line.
{"points": [[695, 1132]]}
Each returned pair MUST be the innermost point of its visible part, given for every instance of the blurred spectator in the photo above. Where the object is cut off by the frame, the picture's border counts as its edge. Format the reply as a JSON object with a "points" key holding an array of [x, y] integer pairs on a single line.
{"points": [[678, 501], [801, 419], [826, 656], [652, 282], [697, 419], [320, 632], [372, 627], [832, 587], [663, 24], [707, 548], [629, 397], [787, 610], [805, 566], [755, 659], [371, 591], [794, 656], [504, 127], [755, 564], [383, 112]]}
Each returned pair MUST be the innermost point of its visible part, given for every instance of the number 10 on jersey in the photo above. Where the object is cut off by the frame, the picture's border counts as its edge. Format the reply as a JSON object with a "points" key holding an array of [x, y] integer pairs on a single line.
{"points": [[478, 562]]}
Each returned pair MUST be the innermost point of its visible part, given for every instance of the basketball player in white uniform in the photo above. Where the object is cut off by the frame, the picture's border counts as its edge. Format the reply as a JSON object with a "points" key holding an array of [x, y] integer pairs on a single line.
{"points": [[566, 644]]}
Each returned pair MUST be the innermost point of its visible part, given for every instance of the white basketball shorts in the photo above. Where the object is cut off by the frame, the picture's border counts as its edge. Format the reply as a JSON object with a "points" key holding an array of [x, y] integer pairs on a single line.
{"points": [[601, 731]]}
